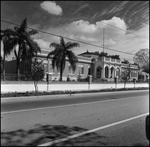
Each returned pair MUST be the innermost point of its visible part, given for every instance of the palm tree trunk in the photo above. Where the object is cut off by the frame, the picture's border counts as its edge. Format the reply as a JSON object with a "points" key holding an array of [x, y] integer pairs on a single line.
{"points": [[17, 70], [4, 67], [18, 64], [61, 72]]}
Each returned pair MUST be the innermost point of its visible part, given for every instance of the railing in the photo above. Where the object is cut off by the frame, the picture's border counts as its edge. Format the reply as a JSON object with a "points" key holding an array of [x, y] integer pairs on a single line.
{"points": [[107, 59], [118, 60], [129, 66], [134, 66], [112, 60]]}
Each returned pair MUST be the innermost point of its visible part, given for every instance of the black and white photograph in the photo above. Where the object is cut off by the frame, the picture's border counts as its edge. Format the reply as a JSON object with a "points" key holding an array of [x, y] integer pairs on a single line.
{"points": [[75, 73]]}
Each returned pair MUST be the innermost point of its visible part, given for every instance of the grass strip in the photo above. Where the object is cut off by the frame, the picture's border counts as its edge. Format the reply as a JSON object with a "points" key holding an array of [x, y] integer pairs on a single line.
{"points": [[42, 93]]}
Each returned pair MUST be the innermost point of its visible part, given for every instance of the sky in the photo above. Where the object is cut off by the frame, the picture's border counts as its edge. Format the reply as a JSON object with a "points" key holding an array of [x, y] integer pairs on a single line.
{"points": [[88, 21]]}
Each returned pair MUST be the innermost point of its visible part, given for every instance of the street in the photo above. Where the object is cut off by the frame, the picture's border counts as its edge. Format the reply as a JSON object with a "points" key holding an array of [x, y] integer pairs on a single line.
{"points": [[118, 118]]}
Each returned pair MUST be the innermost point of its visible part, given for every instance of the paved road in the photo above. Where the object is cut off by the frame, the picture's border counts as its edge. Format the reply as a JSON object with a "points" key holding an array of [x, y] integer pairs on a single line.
{"points": [[23, 103], [89, 112], [54, 87]]}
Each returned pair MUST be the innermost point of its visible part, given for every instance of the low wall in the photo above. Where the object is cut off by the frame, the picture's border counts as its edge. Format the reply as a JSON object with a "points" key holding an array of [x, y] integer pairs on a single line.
{"points": [[54, 87]]}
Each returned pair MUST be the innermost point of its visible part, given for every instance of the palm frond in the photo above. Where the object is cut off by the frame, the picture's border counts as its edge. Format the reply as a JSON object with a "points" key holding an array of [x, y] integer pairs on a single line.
{"points": [[62, 42], [55, 45], [70, 45], [16, 28], [54, 52], [34, 47], [23, 26], [9, 45], [15, 52], [72, 59], [33, 32], [50, 54], [9, 32], [56, 60]]}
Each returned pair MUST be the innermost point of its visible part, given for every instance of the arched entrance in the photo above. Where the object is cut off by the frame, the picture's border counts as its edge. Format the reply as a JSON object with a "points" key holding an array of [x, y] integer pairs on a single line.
{"points": [[106, 72], [98, 72], [118, 72], [112, 72]]}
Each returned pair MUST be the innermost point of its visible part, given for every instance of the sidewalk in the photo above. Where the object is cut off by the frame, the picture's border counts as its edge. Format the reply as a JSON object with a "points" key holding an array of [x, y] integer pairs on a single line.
{"points": [[56, 87]]}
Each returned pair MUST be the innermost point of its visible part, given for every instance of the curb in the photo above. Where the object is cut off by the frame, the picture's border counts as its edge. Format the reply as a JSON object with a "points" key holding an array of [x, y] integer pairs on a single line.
{"points": [[63, 92]]}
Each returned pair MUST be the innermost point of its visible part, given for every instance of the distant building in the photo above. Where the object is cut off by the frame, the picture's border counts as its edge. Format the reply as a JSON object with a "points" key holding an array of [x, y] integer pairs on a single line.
{"points": [[89, 63]]}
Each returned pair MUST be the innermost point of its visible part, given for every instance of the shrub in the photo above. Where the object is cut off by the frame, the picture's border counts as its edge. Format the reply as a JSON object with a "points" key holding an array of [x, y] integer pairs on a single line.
{"points": [[79, 77], [36, 73], [83, 79], [68, 79]]}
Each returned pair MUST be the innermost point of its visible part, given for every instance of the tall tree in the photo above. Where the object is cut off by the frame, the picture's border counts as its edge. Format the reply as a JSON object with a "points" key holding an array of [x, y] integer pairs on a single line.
{"points": [[142, 59], [27, 48], [5, 36], [61, 52], [1, 64]]}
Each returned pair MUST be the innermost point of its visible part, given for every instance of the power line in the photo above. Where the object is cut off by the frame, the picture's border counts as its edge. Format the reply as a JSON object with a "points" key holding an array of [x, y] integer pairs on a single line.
{"points": [[70, 39], [114, 26]]}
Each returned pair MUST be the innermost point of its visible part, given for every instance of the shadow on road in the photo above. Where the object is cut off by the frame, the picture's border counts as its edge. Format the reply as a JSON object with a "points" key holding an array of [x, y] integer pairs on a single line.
{"points": [[45, 133]]}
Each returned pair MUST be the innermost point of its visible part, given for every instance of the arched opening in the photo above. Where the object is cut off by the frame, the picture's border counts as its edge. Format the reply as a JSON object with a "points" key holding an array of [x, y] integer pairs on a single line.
{"points": [[106, 72], [112, 72], [118, 72], [98, 72]]}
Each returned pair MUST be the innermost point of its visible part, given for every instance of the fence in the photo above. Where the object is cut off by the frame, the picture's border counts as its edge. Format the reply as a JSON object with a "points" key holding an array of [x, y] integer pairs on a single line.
{"points": [[14, 77]]}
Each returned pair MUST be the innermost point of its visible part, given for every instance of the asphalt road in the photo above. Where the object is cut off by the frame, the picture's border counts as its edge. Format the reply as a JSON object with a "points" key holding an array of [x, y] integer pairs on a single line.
{"points": [[99, 111], [25, 103]]}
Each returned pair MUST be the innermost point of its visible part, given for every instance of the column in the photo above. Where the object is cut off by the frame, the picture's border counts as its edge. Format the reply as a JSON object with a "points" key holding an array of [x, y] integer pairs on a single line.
{"points": [[114, 73], [108, 72], [103, 72], [48, 66]]}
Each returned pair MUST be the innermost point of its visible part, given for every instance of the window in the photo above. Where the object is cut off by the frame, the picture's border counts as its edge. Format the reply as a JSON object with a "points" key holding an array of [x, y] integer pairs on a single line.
{"points": [[133, 74], [89, 70], [81, 69], [69, 69], [106, 72]]}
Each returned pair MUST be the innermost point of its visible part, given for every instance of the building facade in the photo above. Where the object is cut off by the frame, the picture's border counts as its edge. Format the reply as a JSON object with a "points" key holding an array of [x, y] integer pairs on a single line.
{"points": [[88, 64]]}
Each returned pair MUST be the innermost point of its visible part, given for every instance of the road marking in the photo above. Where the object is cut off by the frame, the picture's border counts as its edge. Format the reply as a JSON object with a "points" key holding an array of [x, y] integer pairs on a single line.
{"points": [[26, 110], [93, 130]]}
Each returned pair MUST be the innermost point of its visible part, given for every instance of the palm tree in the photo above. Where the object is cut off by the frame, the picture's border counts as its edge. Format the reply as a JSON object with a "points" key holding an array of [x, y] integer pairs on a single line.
{"points": [[60, 53], [1, 64], [27, 48], [5, 36]]}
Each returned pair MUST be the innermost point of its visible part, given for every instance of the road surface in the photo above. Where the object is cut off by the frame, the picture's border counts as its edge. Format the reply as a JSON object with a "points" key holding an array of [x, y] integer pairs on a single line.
{"points": [[114, 118]]}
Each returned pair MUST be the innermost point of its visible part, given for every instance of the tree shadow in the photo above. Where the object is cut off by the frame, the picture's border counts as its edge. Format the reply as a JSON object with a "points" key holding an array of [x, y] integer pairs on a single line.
{"points": [[46, 133]]}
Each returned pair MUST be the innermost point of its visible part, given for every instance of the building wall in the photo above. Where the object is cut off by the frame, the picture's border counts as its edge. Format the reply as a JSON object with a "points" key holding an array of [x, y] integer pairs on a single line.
{"points": [[82, 64], [10, 67], [72, 75]]}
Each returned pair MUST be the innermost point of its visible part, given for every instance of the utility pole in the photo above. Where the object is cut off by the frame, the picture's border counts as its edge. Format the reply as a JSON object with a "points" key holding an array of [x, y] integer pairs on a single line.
{"points": [[103, 38]]}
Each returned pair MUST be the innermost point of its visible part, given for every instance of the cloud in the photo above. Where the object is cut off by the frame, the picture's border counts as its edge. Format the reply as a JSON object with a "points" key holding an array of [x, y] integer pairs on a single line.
{"points": [[81, 8], [43, 44], [110, 42], [51, 7], [94, 32], [89, 32]]}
